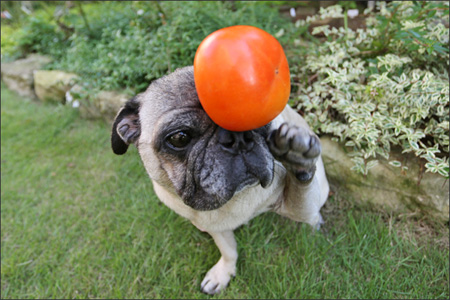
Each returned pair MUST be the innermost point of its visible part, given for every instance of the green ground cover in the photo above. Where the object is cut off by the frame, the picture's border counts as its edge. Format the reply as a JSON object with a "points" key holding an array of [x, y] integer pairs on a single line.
{"points": [[79, 222]]}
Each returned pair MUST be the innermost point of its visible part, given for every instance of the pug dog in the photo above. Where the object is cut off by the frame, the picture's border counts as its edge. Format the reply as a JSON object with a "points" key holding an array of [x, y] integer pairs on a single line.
{"points": [[219, 179]]}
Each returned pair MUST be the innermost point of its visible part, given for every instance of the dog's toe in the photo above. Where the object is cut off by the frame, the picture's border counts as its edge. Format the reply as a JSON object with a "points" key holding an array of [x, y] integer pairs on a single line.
{"points": [[210, 287], [217, 278]]}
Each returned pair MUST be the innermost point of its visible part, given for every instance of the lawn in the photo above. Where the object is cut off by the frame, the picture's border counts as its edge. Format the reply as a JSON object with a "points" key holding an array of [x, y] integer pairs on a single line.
{"points": [[79, 222]]}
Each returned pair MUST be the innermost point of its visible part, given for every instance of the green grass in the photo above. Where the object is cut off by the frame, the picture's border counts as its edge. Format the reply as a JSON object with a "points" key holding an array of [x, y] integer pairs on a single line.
{"points": [[79, 222]]}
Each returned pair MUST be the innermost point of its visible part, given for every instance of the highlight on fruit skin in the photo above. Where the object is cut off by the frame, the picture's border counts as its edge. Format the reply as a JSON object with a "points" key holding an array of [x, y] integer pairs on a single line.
{"points": [[242, 77]]}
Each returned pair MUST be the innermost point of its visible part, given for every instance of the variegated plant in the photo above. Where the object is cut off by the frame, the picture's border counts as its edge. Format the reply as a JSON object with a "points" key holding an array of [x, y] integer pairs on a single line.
{"points": [[383, 86]]}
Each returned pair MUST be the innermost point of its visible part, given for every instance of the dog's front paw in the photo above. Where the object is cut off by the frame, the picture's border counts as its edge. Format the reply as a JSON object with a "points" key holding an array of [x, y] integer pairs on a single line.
{"points": [[297, 148], [218, 277]]}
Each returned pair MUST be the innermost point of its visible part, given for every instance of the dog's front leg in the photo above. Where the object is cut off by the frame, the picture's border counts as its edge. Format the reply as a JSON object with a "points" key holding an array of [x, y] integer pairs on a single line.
{"points": [[218, 276], [298, 149]]}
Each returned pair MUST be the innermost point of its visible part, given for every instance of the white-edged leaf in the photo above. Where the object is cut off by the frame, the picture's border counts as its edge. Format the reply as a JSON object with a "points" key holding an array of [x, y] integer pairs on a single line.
{"points": [[395, 163]]}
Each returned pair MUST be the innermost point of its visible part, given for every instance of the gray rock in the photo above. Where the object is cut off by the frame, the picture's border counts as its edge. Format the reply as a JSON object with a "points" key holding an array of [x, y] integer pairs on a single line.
{"points": [[52, 85], [385, 186], [109, 103], [18, 75], [103, 105]]}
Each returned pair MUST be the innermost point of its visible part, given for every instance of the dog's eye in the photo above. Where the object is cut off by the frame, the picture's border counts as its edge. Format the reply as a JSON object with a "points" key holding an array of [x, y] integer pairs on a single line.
{"points": [[179, 140]]}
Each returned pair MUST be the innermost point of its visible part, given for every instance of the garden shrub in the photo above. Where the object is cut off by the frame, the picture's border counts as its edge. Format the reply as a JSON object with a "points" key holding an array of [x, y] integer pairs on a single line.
{"points": [[8, 43], [383, 86], [39, 35], [127, 45]]}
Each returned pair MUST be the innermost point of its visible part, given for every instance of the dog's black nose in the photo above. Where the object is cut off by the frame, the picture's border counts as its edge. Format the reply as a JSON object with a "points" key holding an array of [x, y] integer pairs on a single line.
{"points": [[235, 142]]}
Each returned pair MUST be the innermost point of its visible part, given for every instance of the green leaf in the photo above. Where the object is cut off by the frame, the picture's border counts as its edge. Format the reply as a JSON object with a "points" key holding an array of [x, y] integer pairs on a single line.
{"points": [[443, 172], [350, 144], [431, 167], [415, 34], [440, 49], [414, 145], [371, 164], [401, 35], [395, 163], [431, 13]]}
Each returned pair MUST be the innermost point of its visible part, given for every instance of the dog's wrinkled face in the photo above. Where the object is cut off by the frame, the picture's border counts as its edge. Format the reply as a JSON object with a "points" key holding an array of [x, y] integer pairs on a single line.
{"points": [[184, 151]]}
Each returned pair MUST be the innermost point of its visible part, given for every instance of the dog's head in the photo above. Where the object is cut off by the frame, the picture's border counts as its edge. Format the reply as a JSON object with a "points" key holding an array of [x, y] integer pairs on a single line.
{"points": [[184, 150]]}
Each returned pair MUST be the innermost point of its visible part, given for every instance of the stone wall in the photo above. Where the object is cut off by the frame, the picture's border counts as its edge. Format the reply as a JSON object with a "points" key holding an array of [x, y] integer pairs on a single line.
{"points": [[386, 186], [26, 77], [18, 75], [52, 86]]}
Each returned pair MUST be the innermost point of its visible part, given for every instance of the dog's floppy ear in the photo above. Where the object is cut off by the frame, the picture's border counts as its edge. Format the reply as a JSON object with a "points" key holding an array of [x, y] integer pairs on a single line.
{"points": [[126, 127]]}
